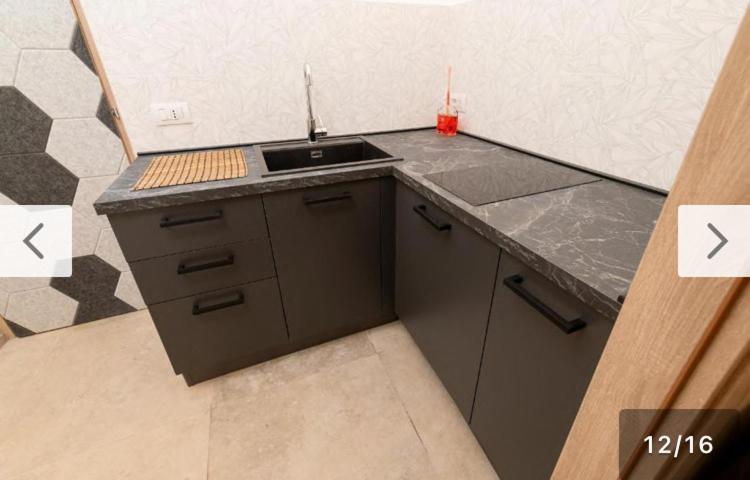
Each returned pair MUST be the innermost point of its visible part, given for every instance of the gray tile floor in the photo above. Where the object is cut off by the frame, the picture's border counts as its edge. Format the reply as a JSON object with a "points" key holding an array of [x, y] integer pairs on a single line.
{"points": [[100, 400]]}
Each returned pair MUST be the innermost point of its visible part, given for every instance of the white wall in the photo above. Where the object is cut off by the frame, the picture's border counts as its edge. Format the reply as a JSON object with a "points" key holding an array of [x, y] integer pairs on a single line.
{"points": [[238, 63], [613, 85], [616, 86]]}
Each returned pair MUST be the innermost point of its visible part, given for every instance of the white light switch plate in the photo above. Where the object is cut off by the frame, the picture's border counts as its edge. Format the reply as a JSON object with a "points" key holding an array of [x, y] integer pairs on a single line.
{"points": [[173, 113]]}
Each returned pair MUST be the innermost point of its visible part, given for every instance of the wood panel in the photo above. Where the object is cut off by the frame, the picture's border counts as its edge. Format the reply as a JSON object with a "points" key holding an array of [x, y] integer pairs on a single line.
{"points": [[664, 316], [103, 79], [5, 329], [728, 353]]}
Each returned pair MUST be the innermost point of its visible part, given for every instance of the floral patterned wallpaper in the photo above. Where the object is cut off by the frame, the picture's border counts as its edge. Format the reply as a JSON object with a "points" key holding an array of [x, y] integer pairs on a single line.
{"points": [[238, 63], [617, 86]]}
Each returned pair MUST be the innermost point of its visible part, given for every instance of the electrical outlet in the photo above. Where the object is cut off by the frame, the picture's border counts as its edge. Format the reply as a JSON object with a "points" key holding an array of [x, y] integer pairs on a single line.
{"points": [[174, 113], [458, 100]]}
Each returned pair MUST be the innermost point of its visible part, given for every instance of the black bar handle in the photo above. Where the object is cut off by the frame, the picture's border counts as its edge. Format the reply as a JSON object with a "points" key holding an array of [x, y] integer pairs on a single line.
{"points": [[330, 198], [199, 309], [184, 268], [168, 221], [515, 283], [438, 224]]}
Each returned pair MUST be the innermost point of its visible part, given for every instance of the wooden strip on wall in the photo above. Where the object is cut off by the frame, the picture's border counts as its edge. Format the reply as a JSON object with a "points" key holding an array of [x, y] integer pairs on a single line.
{"points": [[664, 315], [730, 353], [699, 355], [88, 39], [5, 329]]}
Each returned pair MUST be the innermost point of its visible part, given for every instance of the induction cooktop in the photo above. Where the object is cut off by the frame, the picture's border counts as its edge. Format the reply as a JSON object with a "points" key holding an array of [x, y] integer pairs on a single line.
{"points": [[508, 178]]}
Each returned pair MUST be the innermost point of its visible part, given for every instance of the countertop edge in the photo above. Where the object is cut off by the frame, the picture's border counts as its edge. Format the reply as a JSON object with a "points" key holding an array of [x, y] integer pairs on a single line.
{"points": [[586, 293], [609, 307], [417, 155], [105, 206]]}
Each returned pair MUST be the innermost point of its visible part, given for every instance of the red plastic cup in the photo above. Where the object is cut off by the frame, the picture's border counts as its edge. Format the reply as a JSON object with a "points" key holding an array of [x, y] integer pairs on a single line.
{"points": [[447, 123]]}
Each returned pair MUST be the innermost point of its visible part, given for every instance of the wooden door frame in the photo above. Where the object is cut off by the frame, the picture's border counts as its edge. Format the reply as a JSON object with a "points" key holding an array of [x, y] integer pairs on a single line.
{"points": [[5, 329], [114, 111], [677, 342]]}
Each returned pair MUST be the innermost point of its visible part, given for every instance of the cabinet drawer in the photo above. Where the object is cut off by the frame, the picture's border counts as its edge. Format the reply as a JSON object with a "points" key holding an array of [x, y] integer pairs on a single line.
{"points": [[163, 231], [183, 274], [208, 335], [542, 348], [445, 275]]}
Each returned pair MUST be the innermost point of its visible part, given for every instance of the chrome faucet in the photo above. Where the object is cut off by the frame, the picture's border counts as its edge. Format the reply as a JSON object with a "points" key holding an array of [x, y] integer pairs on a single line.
{"points": [[313, 130]]}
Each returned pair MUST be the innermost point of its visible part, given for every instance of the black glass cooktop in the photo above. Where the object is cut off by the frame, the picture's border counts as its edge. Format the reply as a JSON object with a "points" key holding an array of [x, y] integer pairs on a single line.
{"points": [[508, 178]]}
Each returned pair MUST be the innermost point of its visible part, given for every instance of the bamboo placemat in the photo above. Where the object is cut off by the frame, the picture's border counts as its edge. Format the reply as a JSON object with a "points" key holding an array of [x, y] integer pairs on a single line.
{"points": [[193, 167]]}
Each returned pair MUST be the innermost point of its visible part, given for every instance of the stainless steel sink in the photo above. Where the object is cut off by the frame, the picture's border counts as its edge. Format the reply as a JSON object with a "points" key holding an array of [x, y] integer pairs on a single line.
{"points": [[294, 157]]}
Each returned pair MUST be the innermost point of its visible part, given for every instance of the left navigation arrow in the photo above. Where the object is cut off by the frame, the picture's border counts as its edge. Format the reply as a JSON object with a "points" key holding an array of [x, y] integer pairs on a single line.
{"points": [[27, 241], [36, 240]]}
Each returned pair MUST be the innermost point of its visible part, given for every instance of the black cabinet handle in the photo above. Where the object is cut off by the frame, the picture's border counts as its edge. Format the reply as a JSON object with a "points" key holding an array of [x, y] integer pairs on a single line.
{"points": [[331, 198], [184, 268], [167, 221], [199, 309], [438, 224], [515, 283]]}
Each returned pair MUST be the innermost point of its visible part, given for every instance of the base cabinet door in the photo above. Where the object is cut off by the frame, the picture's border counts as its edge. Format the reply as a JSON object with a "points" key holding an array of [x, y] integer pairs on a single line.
{"points": [[541, 352], [445, 275], [327, 247]]}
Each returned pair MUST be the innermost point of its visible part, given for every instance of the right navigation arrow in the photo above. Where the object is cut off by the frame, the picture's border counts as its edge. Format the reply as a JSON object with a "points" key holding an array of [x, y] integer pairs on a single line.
{"points": [[722, 241]]}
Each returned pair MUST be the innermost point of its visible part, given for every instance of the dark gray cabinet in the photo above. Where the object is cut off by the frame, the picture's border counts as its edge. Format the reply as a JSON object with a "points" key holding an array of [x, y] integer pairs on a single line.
{"points": [[206, 272], [182, 274], [541, 351], [162, 231], [327, 247], [445, 275], [213, 333]]}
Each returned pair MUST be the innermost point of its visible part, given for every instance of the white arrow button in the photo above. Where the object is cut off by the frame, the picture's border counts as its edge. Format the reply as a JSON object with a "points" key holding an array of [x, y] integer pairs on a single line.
{"points": [[36, 240], [713, 240]]}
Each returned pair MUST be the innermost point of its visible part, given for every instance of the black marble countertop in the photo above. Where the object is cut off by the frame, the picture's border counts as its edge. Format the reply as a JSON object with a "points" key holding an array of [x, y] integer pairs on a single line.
{"points": [[587, 239]]}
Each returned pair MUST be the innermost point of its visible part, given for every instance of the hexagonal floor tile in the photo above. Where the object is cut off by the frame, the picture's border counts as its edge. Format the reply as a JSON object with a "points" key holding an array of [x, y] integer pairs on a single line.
{"points": [[85, 234], [59, 83], [9, 52], [127, 291], [5, 200], [103, 113], [93, 284], [18, 330], [109, 250], [24, 127], [78, 46], [124, 163], [85, 147], [14, 285], [41, 309], [36, 179], [37, 24], [89, 189], [3, 302]]}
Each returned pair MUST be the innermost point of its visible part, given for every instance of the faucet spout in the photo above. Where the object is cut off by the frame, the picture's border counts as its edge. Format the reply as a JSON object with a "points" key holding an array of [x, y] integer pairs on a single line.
{"points": [[313, 130]]}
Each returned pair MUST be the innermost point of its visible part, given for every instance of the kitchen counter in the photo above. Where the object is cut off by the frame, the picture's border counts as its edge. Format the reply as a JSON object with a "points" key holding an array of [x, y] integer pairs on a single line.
{"points": [[587, 239]]}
